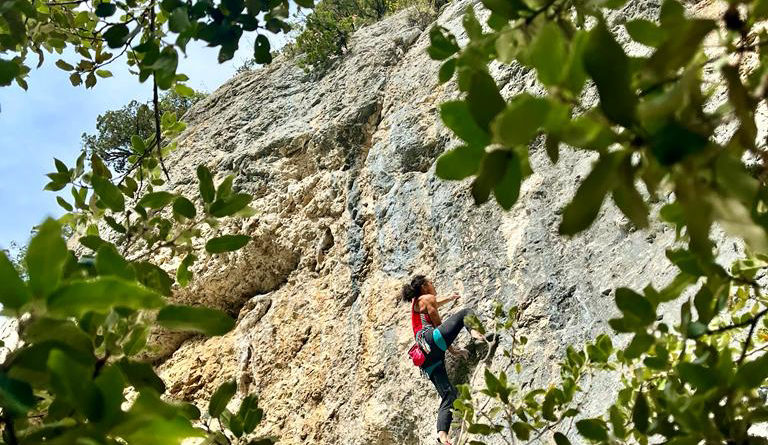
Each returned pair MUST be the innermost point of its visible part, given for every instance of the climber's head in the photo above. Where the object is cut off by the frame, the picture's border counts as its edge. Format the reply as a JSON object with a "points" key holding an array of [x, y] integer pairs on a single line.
{"points": [[419, 285]]}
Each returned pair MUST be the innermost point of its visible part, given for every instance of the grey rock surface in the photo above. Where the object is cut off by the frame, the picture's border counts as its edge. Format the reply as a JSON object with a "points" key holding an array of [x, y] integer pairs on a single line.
{"points": [[342, 170]]}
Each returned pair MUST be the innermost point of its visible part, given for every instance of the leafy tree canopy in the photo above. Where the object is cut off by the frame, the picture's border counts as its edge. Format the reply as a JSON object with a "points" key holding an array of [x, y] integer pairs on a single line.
{"points": [[115, 128]]}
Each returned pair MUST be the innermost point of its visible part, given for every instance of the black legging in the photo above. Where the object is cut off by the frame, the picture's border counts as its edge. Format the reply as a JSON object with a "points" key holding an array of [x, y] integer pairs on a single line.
{"points": [[450, 330]]}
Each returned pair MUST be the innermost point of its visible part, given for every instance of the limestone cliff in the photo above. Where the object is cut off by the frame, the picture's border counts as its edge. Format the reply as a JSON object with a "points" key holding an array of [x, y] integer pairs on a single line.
{"points": [[342, 170]]}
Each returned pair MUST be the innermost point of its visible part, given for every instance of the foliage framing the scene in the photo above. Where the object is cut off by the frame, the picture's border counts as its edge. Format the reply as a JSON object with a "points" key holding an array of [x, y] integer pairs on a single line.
{"points": [[84, 314], [659, 132], [148, 33]]}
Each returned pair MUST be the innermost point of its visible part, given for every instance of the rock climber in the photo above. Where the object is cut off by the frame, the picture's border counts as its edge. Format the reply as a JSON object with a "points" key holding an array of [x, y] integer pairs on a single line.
{"points": [[435, 337]]}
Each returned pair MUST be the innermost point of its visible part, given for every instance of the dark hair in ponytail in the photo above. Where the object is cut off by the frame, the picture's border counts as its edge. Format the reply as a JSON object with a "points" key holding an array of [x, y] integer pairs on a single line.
{"points": [[413, 289]]}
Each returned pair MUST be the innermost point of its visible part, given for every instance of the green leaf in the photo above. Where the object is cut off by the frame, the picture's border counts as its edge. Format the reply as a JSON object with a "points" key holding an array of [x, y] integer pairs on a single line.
{"points": [[221, 398], [645, 32], [459, 163], [16, 396], [153, 421], [547, 53], [75, 79], [617, 422], [250, 413], [481, 428], [446, 70], [641, 413], [706, 303], [179, 20], [592, 429], [101, 294], [153, 277], [507, 190], [560, 439], [673, 142], [137, 144], [14, 292], [210, 322], [114, 225], [522, 430], [156, 200], [105, 9], [608, 65], [136, 340], [505, 9], [492, 383], [99, 168], [64, 65], [483, 99], [456, 116], [699, 376], [682, 44], [492, 169], [672, 13], [226, 243], [8, 71], [227, 207], [588, 131], [207, 191], [183, 274], [224, 190], [93, 242], [583, 209], [46, 254], [189, 410], [626, 196], [640, 343], [635, 305], [261, 49], [109, 193], [752, 374], [104, 73], [183, 90], [110, 384], [575, 77], [117, 35], [71, 381], [443, 44], [141, 375], [471, 25], [110, 262], [518, 123], [184, 207], [64, 204]]}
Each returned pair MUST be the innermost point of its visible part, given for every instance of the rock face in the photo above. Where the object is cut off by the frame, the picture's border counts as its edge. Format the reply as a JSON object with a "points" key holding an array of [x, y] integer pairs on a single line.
{"points": [[342, 170]]}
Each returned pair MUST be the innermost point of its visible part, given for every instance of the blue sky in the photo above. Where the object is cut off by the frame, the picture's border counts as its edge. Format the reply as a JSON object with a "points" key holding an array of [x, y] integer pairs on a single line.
{"points": [[48, 120]]}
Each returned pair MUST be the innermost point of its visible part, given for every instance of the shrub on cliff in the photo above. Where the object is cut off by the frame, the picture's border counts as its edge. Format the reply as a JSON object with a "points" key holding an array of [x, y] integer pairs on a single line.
{"points": [[660, 131], [325, 32]]}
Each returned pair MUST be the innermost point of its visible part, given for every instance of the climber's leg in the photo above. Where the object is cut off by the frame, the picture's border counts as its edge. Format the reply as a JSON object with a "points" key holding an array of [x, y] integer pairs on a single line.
{"points": [[451, 327], [448, 394]]}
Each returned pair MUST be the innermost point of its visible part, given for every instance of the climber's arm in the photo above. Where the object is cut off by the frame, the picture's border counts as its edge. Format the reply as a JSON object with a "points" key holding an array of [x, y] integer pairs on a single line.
{"points": [[445, 300], [431, 307]]}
